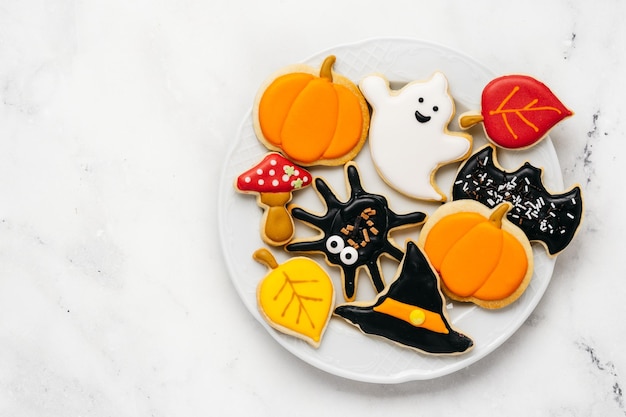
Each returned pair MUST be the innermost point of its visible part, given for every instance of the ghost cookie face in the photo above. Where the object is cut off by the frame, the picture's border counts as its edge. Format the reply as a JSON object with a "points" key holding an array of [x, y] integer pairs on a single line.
{"points": [[409, 137]]}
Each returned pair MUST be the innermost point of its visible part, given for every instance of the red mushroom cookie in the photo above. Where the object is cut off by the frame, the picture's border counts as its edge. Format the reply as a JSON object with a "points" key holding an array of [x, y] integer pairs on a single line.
{"points": [[273, 180]]}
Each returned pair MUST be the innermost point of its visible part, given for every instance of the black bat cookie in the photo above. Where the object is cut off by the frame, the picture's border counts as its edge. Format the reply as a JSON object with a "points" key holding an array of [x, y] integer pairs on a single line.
{"points": [[552, 219]]}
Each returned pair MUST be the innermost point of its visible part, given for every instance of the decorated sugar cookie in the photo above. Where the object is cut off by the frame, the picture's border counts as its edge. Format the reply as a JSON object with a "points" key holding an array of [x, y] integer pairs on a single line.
{"points": [[354, 233], [296, 297], [552, 219], [409, 137], [312, 115], [273, 180], [517, 111], [411, 311], [480, 256]]}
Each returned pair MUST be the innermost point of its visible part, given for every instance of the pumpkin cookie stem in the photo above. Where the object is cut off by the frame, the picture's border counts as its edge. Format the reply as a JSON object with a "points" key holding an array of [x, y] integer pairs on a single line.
{"points": [[327, 66], [498, 213]]}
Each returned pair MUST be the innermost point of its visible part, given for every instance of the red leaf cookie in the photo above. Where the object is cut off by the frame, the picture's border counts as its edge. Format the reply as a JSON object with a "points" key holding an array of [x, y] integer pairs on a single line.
{"points": [[517, 111]]}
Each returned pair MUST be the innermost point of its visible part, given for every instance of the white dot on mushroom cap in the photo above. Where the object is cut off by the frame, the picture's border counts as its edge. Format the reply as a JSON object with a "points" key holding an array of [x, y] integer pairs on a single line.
{"points": [[285, 178], [247, 179], [275, 183], [296, 173], [259, 171], [261, 181], [305, 179], [273, 162], [272, 172]]}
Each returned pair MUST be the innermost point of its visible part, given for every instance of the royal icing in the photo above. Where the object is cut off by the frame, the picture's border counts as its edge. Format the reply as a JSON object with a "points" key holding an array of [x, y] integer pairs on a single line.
{"points": [[408, 136], [517, 111], [552, 219], [414, 315], [295, 297], [273, 180], [411, 311], [479, 256], [355, 233], [313, 118]]}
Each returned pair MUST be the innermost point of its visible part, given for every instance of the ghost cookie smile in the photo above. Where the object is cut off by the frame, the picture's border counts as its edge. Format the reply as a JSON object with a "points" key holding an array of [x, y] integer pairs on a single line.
{"points": [[420, 117]]}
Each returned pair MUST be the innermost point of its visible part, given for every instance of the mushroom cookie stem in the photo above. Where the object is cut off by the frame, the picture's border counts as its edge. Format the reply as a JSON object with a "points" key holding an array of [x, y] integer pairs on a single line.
{"points": [[279, 225]]}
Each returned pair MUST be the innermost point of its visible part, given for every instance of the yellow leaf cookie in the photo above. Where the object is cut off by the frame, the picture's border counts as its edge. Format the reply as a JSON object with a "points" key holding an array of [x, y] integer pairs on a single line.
{"points": [[295, 297]]}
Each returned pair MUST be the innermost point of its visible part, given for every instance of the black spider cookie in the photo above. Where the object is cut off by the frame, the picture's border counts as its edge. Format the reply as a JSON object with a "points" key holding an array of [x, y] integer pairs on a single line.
{"points": [[355, 233]]}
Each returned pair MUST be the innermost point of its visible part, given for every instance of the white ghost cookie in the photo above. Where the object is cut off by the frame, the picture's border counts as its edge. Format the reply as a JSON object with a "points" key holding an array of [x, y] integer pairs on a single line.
{"points": [[409, 137]]}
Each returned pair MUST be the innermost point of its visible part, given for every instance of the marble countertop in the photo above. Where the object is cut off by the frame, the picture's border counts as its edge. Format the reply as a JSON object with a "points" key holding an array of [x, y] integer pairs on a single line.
{"points": [[115, 121]]}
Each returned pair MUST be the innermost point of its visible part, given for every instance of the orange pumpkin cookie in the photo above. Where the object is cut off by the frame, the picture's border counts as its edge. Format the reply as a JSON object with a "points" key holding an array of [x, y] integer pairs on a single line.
{"points": [[481, 257], [313, 116], [295, 297]]}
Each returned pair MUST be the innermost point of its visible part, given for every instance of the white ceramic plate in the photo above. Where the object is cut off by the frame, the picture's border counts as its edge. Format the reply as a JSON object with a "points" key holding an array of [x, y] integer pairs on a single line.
{"points": [[344, 350]]}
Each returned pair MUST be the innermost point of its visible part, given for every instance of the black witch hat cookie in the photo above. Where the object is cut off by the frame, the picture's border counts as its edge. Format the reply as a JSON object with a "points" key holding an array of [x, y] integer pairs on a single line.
{"points": [[411, 312]]}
